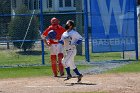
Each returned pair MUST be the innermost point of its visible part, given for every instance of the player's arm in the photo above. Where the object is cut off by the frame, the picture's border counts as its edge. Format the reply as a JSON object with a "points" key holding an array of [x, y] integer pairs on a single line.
{"points": [[44, 35], [78, 38], [79, 41], [61, 41], [45, 40]]}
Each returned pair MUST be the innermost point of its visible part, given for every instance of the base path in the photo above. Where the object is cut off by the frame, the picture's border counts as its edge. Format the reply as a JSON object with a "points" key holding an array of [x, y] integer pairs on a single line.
{"points": [[108, 83]]}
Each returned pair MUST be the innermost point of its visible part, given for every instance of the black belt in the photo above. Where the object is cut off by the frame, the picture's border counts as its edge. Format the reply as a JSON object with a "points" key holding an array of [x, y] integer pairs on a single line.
{"points": [[68, 49]]}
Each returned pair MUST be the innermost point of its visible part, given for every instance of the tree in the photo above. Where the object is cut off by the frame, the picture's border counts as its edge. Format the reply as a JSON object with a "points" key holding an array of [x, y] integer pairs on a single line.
{"points": [[4, 20], [18, 29]]}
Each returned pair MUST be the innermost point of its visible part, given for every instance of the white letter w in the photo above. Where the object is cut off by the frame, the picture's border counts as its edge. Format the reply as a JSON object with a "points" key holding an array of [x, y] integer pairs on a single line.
{"points": [[106, 14]]}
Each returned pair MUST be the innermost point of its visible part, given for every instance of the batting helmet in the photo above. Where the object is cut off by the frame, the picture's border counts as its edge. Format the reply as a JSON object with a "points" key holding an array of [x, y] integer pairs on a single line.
{"points": [[54, 21], [52, 34]]}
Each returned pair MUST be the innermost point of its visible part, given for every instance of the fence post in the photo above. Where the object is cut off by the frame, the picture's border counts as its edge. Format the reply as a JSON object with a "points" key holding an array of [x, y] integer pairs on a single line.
{"points": [[136, 30], [86, 31], [41, 29]]}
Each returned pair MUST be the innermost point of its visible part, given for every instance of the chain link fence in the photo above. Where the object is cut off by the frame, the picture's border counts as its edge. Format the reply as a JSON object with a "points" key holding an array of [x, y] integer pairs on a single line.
{"points": [[23, 21], [21, 27]]}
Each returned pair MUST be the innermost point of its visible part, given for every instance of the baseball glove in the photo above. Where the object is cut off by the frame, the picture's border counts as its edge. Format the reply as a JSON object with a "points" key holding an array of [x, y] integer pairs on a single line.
{"points": [[52, 34]]}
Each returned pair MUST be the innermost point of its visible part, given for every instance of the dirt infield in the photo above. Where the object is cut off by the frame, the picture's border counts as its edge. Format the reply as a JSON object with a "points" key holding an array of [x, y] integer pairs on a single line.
{"points": [[108, 83]]}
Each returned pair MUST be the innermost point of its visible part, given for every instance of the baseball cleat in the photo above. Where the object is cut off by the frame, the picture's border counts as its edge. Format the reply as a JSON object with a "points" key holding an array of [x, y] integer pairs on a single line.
{"points": [[68, 77], [55, 76], [62, 74], [80, 78]]}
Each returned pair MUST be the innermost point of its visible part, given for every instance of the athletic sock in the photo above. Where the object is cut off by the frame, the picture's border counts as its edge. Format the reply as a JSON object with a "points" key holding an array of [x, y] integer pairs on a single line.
{"points": [[76, 71], [68, 70]]}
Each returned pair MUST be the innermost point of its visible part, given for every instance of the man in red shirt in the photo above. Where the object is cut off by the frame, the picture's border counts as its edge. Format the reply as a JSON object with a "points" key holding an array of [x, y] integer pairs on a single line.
{"points": [[56, 49]]}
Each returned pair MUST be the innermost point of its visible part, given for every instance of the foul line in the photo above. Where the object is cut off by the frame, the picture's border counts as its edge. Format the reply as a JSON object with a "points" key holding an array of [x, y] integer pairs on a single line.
{"points": [[80, 86], [46, 86]]}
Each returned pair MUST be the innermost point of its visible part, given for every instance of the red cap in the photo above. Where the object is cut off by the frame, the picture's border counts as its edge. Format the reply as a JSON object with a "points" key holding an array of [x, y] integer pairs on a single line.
{"points": [[54, 21]]}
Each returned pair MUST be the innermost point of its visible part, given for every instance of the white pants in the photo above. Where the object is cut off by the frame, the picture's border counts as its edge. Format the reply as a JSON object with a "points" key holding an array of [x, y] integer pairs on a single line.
{"points": [[68, 60], [55, 49]]}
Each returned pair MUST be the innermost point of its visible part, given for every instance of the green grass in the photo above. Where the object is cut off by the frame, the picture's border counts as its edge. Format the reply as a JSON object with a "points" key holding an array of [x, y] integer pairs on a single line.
{"points": [[101, 56], [9, 57], [25, 72], [13, 57], [35, 71], [129, 68]]}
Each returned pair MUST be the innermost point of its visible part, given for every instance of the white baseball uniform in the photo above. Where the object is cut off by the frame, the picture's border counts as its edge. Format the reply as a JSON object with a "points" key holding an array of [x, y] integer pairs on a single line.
{"points": [[70, 38], [55, 49]]}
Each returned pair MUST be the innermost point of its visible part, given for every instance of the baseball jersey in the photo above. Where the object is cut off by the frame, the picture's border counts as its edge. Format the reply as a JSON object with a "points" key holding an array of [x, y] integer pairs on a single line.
{"points": [[70, 38], [59, 31]]}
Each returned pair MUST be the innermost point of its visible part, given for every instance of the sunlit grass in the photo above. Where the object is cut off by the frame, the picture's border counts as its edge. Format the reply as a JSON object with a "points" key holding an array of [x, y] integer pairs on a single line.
{"points": [[8, 57], [32, 71], [101, 56], [129, 68]]}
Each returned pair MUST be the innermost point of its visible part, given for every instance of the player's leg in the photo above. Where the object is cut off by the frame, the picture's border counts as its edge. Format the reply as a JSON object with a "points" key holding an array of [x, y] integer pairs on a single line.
{"points": [[53, 60], [73, 66], [67, 68], [79, 74], [60, 65], [60, 57], [65, 62], [69, 76], [75, 69], [54, 66]]}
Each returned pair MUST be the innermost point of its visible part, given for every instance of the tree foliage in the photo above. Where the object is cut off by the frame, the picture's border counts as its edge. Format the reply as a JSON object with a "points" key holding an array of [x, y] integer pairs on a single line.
{"points": [[18, 29], [5, 8]]}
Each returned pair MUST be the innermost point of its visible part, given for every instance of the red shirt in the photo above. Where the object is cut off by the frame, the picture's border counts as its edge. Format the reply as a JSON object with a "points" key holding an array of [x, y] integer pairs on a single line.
{"points": [[58, 29]]}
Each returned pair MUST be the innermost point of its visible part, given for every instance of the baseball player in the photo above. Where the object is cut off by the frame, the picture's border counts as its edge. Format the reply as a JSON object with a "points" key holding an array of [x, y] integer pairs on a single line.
{"points": [[56, 49], [70, 39]]}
